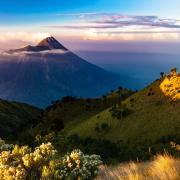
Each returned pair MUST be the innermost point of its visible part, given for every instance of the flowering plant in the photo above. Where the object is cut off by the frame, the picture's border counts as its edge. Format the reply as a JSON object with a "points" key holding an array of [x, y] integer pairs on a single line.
{"points": [[20, 163], [74, 165]]}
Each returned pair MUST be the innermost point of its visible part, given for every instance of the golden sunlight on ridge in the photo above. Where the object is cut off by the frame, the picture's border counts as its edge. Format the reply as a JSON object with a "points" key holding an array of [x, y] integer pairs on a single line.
{"points": [[170, 85]]}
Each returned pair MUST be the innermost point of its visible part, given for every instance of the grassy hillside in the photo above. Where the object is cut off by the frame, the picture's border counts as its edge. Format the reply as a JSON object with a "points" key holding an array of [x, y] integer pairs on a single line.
{"points": [[119, 126], [71, 111], [14, 117], [147, 117]]}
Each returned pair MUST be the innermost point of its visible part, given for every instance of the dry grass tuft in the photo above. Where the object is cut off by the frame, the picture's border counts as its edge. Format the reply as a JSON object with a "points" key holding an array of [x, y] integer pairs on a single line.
{"points": [[163, 167]]}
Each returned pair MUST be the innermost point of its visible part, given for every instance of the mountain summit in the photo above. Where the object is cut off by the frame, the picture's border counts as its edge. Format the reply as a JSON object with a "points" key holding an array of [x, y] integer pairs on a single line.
{"points": [[51, 43], [48, 43]]}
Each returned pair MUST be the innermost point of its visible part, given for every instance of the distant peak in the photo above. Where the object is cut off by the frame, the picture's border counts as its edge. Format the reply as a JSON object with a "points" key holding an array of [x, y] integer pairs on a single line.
{"points": [[51, 43]]}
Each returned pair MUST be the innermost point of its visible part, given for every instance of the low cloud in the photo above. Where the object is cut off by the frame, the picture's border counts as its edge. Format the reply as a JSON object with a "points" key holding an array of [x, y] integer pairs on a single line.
{"points": [[26, 53]]}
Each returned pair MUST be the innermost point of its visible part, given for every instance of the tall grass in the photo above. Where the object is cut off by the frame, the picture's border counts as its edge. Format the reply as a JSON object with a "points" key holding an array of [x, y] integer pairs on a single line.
{"points": [[163, 167]]}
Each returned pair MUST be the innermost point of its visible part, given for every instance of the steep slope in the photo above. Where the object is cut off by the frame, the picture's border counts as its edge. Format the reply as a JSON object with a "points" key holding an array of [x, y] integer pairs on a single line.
{"points": [[40, 74], [147, 117], [14, 117]]}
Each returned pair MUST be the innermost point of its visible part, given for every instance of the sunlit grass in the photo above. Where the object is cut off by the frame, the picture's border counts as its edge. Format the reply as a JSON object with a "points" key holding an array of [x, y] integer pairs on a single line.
{"points": [[163, 167], [170, 86]]}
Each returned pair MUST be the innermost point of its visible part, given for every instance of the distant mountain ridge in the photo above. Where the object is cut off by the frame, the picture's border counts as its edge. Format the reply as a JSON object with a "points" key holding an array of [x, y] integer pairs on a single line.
{"points": [[40, 74]]}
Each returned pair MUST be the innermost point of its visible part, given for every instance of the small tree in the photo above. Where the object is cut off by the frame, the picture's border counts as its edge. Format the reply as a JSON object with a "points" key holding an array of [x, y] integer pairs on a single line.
{"points": [[162, 74], [174, 70], [120, 111], [105, 127]]}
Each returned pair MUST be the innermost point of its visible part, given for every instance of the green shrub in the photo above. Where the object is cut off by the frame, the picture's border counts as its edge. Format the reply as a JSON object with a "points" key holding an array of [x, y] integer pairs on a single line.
{"points": [[103, 128], [74, 165], [120, 111], [23, 163]]}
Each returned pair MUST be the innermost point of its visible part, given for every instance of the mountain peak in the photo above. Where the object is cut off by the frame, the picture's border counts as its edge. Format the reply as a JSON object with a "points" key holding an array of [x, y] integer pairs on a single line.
{"points": [[51, 43]]}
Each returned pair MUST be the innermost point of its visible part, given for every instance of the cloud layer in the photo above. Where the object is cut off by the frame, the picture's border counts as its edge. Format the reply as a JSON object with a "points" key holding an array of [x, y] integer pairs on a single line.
{"points": [[97, 26], [105, 20], [108, 25], [24, 53]]}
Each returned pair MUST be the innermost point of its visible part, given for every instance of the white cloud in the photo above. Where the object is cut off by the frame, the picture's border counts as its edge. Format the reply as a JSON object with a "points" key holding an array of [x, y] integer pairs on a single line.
{"points": [[115, 26], [24, 53]]}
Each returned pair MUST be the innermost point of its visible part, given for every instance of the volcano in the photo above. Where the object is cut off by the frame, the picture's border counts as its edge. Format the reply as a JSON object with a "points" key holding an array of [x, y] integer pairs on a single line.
{"points": [[48, 43], [48, 71]]}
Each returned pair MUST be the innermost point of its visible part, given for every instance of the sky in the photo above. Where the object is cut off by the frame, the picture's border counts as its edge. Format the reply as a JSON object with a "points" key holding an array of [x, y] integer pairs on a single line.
{"points": [[87, 24]]}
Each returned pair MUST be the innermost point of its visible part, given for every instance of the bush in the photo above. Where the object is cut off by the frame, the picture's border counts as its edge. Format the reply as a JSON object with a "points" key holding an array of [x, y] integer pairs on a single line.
{"points": [[103, 128], [4, 146], [74, 165], [120, 111], [108, 150], [44, 163]]}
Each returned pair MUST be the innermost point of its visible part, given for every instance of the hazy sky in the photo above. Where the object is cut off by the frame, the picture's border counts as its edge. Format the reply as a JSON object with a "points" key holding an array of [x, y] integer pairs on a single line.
{"points": [[91, 22]]}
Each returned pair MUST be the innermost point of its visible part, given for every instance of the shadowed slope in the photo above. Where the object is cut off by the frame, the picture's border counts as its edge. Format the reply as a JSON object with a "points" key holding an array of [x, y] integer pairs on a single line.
{"points": [[14, 117]]}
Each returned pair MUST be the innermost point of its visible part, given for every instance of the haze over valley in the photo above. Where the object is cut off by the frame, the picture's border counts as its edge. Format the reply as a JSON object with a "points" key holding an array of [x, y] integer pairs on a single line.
{"points": [[134, 64]]}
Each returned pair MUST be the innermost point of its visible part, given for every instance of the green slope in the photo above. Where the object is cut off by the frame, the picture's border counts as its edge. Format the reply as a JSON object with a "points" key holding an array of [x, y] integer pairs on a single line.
{"points": [[153, 116], [119, 126], [72, 111], [15, 117]]}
